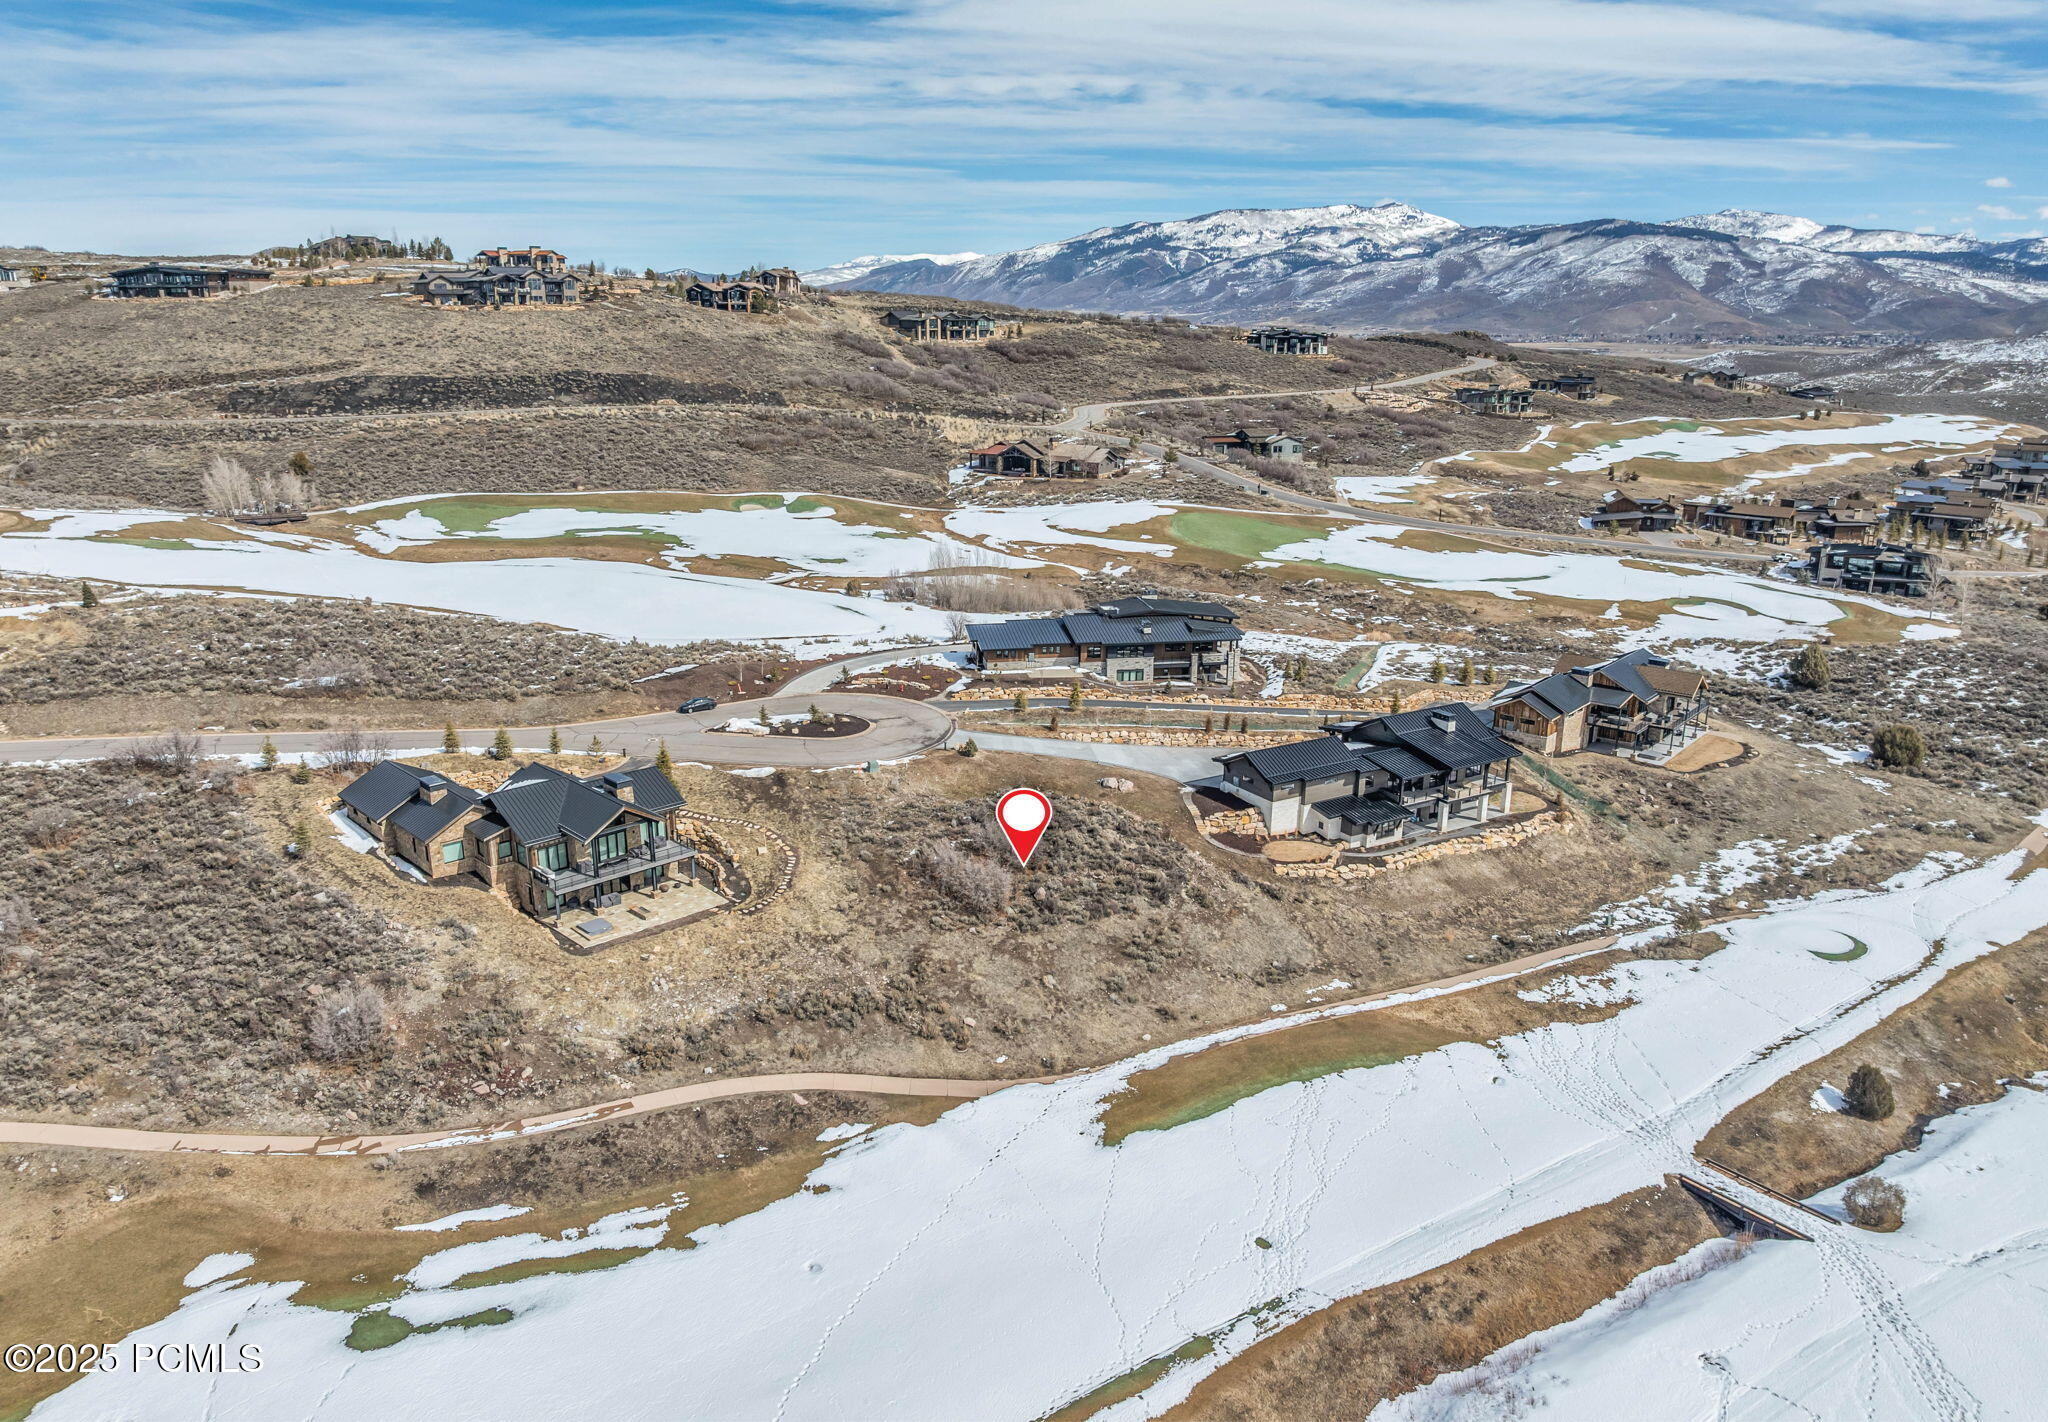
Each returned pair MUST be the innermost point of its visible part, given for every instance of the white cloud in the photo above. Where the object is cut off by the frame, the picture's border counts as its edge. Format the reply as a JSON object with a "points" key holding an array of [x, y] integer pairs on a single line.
{"points": [[1998, 182], [2000, 211], [917, 112]]}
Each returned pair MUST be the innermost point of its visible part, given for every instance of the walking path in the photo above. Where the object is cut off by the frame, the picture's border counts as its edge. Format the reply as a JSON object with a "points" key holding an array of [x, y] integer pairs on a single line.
{"points": [[380, 1143]]}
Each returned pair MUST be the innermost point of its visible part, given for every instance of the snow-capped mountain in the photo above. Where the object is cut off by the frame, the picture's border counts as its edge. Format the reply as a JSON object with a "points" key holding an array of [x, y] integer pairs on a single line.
{"points": [[1736, 273], [1805, 232], [840, 273]]}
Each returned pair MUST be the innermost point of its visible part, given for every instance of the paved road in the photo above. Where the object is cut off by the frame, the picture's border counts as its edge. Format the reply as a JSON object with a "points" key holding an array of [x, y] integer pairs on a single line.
{"points": [[826, 677], [1059, 703], [1177, 763], [378, 1143], [1086, 417], [900, 728]]}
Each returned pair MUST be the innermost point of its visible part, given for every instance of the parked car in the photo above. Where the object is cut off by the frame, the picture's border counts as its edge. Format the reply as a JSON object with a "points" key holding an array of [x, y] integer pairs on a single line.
{"points": [[698, 703]]}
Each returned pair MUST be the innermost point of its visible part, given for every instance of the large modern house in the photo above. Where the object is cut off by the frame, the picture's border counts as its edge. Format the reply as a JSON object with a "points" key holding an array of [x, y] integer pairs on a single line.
{"points": [[1046, 459], [2020, 469], [174, 279], [1891, 568], [1288, 340], [1635, 515], [948, 325], [519, 283], [1255, 442], [1638, 706], [549, 840], [1134, 639], [1494, 399], [1383, 783]]}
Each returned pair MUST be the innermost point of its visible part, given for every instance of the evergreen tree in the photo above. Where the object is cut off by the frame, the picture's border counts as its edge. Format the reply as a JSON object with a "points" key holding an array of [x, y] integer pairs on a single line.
{"points": [[501, 745], [662, 760], [1810, 669], [267, 757], [969, 748], [554, 740], [1900, 747], [595, 750], [1465, 673], [1074, 697], [451, 744], [87, 597], [817, 717], [1869, 1093], [1020, 703], [1436, 671], [301, 464]]}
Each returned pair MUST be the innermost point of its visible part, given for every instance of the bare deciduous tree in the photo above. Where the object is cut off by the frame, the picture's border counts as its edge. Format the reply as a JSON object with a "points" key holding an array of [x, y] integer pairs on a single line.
{"points": [[227, 486], [353, 746]]}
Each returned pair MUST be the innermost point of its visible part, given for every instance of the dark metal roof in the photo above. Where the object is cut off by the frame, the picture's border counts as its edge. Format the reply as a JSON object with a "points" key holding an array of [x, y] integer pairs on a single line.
{"points": [[1399, 763], [381, 789], [1149, 606], [1298, 760], [542, 804], [1018, 634], [1468, 740], [1363, 810], [423, 820], [652, 791]]}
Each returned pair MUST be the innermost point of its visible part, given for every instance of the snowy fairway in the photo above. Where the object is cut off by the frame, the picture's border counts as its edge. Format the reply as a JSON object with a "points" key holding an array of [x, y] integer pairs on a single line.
{"points": [[1003, 1260]]}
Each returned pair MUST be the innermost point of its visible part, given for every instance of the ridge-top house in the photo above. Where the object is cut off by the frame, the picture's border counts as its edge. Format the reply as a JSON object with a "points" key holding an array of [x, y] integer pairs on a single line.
{"points": [[178, 279], [1134, 639], [729, 295], [1255, 442], [1038, 459], [1637, 705], [920, 325], [1289, 340], [549, 840], [2021, 467], [504, 276], [1390, 781]]}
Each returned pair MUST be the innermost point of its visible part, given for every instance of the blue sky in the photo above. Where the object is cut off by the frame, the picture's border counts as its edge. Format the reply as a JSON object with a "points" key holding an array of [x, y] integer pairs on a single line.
{"points": [[715, 134]]}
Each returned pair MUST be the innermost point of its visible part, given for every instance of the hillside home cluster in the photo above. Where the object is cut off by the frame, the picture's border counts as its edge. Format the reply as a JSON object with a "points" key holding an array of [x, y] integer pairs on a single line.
{"points": [[1287, 340], [948, 325], [504, 276], [1255, 442], [1134, 639], [1780, 520], [177, 279], [1389, 782], [1035, 459], [756, 290], [1638, 706], [1955, 509], [548, 840], [2017, 472]]}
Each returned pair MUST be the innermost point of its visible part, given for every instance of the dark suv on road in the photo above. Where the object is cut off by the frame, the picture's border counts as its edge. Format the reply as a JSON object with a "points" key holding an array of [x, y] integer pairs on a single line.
{"points": [[698, 703]]}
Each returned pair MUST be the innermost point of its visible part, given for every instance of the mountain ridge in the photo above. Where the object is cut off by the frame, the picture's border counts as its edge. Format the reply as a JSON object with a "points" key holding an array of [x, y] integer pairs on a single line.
{"points": [[1738, 273]]}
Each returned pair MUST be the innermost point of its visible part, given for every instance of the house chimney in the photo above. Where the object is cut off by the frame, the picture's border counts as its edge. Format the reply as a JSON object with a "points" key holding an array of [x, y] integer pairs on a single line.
{"points": [[433, 789], [620, 785], [1444, 721]]}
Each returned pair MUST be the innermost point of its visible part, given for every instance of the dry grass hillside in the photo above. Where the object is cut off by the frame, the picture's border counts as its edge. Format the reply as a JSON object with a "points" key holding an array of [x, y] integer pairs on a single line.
{"points": [[640, 390]]}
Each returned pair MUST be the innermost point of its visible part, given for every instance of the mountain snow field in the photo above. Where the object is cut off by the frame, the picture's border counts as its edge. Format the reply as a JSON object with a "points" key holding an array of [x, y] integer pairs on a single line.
{"points": [[1011, 1261]]}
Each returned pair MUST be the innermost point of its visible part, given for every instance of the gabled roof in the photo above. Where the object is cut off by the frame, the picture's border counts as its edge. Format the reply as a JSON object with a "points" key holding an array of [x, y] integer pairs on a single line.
{"points": [[1466, 740], [543, 804], [1399, 762], [1298, 760], [381, 789], [1017, 634], [424, 820]]}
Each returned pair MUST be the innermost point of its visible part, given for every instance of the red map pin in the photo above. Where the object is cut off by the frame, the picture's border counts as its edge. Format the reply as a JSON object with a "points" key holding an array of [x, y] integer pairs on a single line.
{"points": [[1023, 815]]}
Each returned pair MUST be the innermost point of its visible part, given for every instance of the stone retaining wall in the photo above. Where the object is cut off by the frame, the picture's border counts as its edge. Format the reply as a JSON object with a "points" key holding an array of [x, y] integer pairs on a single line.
{"points": [[1548, 822]]}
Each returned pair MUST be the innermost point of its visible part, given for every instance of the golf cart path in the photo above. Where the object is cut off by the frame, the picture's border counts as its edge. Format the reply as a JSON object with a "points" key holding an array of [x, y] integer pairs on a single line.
{"points": [[514, 1128]]}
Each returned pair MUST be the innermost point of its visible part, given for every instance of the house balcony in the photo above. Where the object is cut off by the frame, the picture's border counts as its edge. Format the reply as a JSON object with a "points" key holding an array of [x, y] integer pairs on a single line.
{"points": [[584, 873]]}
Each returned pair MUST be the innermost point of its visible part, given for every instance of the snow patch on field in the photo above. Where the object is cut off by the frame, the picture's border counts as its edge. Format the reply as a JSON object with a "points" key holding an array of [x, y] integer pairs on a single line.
{"points": [[1712, 443], [1939, 1320], [457, 1221]]}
